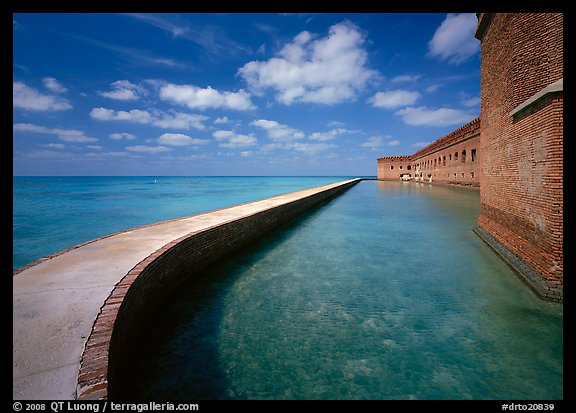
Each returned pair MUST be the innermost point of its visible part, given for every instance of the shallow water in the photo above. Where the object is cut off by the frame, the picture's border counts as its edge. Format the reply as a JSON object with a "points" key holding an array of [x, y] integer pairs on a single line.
{"points": [[53, 213], [383, 293]]}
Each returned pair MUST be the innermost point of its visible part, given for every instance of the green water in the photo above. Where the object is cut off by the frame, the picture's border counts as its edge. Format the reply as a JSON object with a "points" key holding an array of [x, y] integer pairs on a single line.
{"points": [[383, 293]]}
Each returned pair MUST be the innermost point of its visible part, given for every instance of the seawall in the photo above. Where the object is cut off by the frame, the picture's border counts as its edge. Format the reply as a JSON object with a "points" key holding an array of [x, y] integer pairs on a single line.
{"points": [[75, 314]]}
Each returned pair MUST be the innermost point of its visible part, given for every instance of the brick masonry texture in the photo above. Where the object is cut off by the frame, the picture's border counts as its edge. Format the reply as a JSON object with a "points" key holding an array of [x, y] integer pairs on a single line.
{"points": [[142, 291], [521, 176], [452, 159]]}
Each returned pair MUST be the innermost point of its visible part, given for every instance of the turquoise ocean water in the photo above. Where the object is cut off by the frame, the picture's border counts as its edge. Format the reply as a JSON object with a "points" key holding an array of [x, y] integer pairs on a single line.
{"points": [[383, 293], [53, 213]]}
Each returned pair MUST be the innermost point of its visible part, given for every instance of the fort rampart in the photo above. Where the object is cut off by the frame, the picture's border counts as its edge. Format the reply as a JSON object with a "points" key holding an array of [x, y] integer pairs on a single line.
{"points": [[514, 151], [452, 159]]}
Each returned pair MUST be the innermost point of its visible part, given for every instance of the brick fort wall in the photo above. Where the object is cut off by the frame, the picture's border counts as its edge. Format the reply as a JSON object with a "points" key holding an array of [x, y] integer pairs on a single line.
{"points": [[452, 159], [521, 142]]}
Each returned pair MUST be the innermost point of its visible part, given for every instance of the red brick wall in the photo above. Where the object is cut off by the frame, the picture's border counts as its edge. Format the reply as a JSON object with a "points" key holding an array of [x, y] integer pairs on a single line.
{"points": [[521, 177], [391, 167], [452, 159]]}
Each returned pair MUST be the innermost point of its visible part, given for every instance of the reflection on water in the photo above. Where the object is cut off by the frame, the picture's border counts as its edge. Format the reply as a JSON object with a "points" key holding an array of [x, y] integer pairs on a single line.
{"points": [[384, 293]]}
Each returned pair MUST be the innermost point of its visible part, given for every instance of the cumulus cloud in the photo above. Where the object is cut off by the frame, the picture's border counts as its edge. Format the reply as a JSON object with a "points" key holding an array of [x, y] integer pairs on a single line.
{"points": [[195, 97], [277, 131], [53, 85], [327, 136], [223, 119], [423, 116], [328, 70], [405, 78], [471, 102], [25, 97], [375, 142], [134, 115], [230, 139], [179, 120], [394, 98], [311, 148], [54, 145], [179, 139], [124, 90], [454, 40], [147, 149], [66, 135], [123, 135], [176, 120]]}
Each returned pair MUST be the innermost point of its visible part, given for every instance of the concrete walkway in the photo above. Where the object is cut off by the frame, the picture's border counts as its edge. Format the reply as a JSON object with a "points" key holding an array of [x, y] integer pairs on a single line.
{"points": [[56, 301]]}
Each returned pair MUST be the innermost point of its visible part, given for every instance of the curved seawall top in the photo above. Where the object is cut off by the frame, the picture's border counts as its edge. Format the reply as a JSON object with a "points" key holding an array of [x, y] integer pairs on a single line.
{"points": [[68, 309]]}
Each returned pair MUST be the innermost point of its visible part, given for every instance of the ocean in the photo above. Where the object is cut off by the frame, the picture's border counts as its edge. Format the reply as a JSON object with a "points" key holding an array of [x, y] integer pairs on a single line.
{"points": [[54, 213]]}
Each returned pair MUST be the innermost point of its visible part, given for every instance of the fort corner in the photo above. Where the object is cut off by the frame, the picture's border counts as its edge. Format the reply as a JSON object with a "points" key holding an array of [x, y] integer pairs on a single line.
{"points": [[514, 151]]}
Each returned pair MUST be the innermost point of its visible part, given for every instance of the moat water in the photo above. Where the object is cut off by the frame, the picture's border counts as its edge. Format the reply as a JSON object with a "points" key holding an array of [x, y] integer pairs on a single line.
{"points": [[383, 293]]}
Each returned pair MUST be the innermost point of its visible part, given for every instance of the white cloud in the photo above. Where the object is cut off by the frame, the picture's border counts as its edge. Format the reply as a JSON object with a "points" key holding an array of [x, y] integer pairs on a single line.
{"points": [[53, 85], [433, 88], [329, 70], [311, 148], [304, 147], [123, 135], [327, 136], [54, 145], [176, 120], [420, 144], [25, 97], [179, 139], [124, 90], [405, 78], [246, 153], [471, 102], [394, 98], [134, 115], [66, 135], [222, 120], [376, 142], [454, 40], [179, 120], [278, 132], [229, 139], [373, 142], [195, 97], [422, 116], [147, 149]]}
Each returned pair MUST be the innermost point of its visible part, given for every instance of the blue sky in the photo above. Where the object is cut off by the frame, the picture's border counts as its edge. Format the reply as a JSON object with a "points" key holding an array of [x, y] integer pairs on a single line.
{"points": [[236, 94]]}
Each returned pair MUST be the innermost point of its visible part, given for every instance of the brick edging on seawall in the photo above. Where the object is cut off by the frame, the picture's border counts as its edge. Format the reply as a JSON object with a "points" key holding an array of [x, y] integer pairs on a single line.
{"points": [[95, 368]]}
